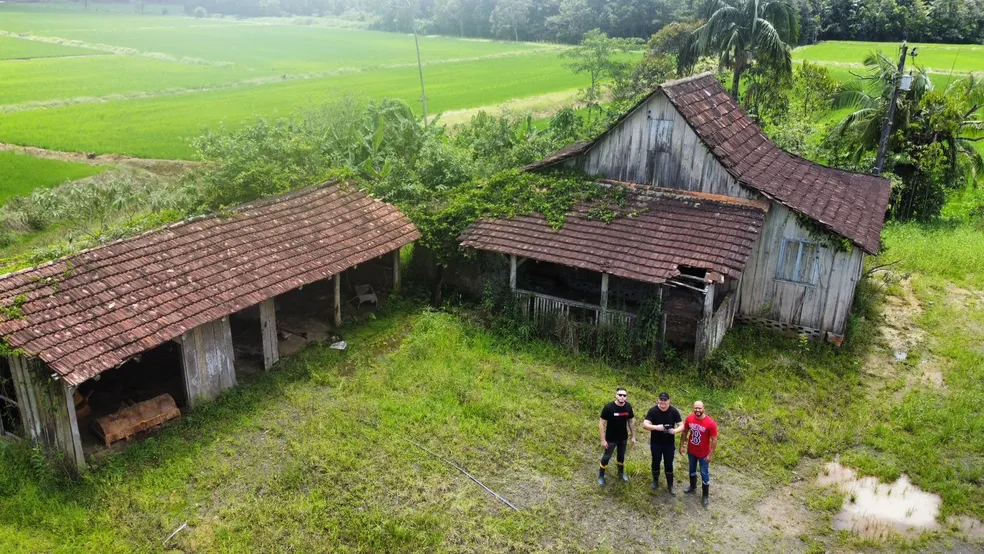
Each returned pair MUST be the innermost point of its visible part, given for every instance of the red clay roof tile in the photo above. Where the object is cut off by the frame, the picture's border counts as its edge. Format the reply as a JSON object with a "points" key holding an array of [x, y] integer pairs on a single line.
{"points": [[91, 311]]}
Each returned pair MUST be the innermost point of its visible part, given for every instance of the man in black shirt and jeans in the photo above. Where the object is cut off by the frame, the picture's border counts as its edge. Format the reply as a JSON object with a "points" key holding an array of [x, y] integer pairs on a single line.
{"points": [[616, 429], [665, 422]]}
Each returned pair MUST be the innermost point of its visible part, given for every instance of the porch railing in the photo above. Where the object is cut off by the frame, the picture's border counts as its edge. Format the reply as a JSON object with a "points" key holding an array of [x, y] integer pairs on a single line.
{"points": [[537, 305]]}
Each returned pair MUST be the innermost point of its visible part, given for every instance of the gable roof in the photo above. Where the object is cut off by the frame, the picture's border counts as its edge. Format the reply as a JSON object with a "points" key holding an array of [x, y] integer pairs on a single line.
{"points": [[92, 311], [851, 205], [670, 229]]}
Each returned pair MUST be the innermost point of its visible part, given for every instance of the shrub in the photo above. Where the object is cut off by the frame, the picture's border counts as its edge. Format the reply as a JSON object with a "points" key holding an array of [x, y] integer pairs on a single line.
{"points": [[200, 12]]}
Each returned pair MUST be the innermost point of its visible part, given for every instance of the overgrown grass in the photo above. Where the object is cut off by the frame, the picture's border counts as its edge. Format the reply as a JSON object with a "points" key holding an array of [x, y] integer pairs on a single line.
{"points": [[18, 49], [20, 174], [310, 457], [950, 251], [135, 127], [934, 434]]}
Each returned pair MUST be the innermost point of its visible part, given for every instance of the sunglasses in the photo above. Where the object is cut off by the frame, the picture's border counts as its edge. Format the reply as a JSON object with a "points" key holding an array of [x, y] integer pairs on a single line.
{"points": [[621, 394]]}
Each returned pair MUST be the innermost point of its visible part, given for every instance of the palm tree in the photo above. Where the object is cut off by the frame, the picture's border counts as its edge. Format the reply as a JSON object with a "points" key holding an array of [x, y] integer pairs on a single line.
{"points": [[868, 96], [951, 121], [743, 32]]}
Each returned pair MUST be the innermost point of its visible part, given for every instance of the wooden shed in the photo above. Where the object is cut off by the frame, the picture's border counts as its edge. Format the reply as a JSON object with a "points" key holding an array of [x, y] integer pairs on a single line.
{"points": [[179, 311], [692, 247], [691, 135]]}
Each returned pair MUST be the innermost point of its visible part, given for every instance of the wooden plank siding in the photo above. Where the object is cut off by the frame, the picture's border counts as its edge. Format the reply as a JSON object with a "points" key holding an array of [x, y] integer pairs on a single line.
{"points": [[207, 359], [824, 306], [632, 152], [47, 409], [637, 150]]}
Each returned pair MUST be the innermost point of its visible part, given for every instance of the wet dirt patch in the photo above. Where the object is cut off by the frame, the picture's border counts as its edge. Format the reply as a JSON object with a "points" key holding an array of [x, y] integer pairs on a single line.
{"points": [[879, 510]]}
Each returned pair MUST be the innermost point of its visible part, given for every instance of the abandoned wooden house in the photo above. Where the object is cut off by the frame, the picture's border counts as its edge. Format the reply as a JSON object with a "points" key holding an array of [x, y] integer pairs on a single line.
{"points": [[113, 340], [691, 136], [686, 248]]}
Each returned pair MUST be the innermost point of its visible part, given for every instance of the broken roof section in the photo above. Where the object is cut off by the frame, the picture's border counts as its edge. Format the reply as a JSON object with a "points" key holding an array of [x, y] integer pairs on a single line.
{"points": [[668, 229], [851, 205], [92, 311]]}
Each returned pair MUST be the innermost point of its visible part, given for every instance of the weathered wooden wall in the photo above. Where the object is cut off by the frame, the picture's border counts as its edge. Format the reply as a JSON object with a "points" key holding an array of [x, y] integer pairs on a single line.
{"points": [[666, 153], [47, 409], [824, 306], [711, 333], [207, 358]]}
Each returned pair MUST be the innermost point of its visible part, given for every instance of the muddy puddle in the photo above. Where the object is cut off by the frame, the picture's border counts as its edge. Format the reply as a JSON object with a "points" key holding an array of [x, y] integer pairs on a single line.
{"points": [[875, 509]]}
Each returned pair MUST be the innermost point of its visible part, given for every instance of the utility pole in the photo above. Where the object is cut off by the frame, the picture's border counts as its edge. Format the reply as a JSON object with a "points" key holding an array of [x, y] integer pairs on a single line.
{"points": [[420, 66], [890, 116]]}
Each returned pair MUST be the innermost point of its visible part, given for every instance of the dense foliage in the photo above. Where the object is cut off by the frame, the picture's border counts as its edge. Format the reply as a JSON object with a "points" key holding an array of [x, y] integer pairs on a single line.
{"points": [[953, 21]]}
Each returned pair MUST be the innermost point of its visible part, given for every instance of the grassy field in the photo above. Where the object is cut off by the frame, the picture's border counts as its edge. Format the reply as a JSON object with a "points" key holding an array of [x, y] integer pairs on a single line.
{"points": [[20, 49], [936, 58], [311, 457], [20, 174], [140, 128], [161, 79]]}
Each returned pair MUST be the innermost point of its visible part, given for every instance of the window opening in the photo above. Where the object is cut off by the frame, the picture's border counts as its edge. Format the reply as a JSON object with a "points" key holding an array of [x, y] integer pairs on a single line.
{"points": [[799, 262]]}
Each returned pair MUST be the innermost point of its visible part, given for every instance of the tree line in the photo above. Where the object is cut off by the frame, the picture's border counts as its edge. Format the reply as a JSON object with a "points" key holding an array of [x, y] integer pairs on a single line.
{"points": [[950, 21]]}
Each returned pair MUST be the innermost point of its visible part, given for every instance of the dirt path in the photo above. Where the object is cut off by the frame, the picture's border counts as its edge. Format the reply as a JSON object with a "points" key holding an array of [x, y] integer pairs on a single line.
{"points": [[157, 167]]}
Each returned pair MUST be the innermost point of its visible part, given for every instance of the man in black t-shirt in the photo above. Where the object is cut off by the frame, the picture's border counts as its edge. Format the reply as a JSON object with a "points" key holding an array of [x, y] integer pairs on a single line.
{"points": [[616, 429], [665, 422]]}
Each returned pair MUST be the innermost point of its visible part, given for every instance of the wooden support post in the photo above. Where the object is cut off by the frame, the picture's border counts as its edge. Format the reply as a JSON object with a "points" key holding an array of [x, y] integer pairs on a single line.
{"points": [[268, 332], [661, 335], [396, 270], [338, 300], [603, 313], [207, 360], [73, 442], [705, 340], [512, 272]]}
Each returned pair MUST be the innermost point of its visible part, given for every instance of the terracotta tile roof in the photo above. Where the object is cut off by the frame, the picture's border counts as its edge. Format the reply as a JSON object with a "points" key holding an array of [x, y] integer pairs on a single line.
{"points": [[850, 204], [94, 310], [671, 229], [564, 153]]}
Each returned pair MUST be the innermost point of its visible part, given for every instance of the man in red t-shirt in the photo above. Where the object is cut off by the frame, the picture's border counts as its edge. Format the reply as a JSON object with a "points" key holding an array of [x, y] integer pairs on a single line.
{"points": [[700, 435]]}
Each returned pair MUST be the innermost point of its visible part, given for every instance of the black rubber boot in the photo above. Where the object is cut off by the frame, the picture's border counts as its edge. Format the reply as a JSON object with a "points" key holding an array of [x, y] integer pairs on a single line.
{"points": [[655, 483], [621, 473], [601, 477], [669, 484], [703, 495], [693, 485]]}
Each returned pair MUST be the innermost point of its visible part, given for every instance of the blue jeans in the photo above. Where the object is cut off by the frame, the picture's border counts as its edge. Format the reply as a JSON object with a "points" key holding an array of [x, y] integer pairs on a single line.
{"points": [[705, 468]]}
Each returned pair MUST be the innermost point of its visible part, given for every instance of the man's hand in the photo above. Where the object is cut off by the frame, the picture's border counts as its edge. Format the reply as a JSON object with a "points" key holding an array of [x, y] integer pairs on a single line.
{"points": [[604, 444], [681, 450], [709, 456], [633, 441], [660, 428]]}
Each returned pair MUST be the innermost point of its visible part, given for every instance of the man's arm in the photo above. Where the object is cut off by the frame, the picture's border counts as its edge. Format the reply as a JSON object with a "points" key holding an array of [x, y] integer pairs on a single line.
{"points": [[648, 425], [678, 428], [601, 432], [714, 442], [631, 427], [684, 439]]}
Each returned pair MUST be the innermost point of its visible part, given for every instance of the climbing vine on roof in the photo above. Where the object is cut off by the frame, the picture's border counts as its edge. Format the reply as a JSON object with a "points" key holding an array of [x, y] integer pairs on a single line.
{"points": [[509, 194]]}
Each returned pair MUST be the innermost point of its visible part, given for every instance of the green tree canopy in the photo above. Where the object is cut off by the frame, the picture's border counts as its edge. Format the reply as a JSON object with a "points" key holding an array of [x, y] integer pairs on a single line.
{"points": [[743, 33]]}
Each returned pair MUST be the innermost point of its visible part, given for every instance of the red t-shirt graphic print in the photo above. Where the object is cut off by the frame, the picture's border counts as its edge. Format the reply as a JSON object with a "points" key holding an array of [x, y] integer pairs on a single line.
{"points": [[701, 431]]}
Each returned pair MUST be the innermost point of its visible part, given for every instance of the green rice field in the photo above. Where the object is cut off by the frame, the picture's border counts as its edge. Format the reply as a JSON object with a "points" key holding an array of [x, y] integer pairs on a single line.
{"points": [[20, 174], [935, 58], [156, 81], [12, 48]]}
